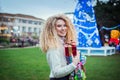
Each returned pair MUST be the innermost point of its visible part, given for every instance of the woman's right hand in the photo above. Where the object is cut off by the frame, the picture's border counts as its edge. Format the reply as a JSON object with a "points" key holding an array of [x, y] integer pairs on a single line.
{"points": [[76, 59]]}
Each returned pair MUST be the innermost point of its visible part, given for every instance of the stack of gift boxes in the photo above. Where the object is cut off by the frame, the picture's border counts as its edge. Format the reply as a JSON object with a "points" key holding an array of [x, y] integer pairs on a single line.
{"points": [[79, 73]]}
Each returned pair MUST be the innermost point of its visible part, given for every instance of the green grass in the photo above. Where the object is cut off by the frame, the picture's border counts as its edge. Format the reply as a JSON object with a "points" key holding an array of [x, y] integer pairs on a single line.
{"points": [[31, 64], [103, 68], [23, 64]]}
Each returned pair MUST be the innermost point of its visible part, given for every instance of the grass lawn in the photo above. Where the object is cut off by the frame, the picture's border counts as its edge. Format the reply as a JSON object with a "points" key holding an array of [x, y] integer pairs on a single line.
{"points": [[31, 64]]}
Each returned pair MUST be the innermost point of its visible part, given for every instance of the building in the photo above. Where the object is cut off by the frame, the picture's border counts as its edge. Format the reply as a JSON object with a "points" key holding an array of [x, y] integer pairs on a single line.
{"points": [[20, 24], [70, 15]]}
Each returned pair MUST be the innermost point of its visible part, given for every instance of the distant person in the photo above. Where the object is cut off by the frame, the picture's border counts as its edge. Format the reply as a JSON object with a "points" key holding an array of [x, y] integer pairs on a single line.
{"points": [[23, 42], [118, 48], [57, 31]]}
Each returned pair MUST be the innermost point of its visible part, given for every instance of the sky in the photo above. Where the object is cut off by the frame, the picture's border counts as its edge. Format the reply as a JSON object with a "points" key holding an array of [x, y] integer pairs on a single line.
{"points": [[38, 8]]}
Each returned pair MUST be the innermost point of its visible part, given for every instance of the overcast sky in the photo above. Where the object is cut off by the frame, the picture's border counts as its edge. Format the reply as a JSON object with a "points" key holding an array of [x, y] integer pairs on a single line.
{"points": [[38, 8]]}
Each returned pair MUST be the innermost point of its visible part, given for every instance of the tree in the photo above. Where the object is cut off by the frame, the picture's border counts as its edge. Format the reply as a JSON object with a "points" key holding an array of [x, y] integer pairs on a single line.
{"points": [[108, 14]]}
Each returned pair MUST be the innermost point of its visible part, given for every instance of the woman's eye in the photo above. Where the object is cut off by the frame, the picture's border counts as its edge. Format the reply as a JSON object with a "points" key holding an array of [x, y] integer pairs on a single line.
{"points": [[65, 26], [58, 25], [61, 26]]}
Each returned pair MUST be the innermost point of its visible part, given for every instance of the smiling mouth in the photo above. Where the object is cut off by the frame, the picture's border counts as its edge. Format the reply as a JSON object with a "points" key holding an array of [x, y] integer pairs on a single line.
{"points": [[63, 32]]}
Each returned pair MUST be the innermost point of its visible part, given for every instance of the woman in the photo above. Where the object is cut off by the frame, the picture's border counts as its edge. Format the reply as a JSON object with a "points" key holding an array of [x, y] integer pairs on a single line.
{"points": [[57, 31]]}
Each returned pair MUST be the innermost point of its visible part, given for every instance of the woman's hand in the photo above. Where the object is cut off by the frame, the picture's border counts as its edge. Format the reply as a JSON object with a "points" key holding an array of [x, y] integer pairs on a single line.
{"points": [[76, 59]]}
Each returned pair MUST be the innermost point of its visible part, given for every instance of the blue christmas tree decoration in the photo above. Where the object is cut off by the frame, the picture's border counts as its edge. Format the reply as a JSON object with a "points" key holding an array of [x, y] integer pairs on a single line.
{"points": [[85, 24]]}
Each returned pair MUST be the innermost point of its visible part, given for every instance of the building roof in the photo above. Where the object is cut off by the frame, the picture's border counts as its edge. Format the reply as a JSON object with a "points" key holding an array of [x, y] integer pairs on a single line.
{"points": [[20, 15]]}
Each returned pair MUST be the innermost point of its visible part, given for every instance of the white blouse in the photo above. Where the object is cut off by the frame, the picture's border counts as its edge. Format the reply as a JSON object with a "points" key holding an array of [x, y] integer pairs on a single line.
{"points": [[57, 62]]}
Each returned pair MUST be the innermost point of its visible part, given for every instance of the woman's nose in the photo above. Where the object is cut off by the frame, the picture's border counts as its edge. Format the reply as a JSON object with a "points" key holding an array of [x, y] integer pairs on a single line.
{"points": [[63, 27]]}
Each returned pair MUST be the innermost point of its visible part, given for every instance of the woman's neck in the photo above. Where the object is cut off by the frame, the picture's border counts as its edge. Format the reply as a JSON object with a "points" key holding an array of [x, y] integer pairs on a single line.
{"points": [[62, 39]]}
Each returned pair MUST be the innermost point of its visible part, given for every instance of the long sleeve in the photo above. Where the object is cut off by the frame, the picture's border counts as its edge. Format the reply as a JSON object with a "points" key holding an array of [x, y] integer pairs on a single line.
{"points": [[57, 63]]}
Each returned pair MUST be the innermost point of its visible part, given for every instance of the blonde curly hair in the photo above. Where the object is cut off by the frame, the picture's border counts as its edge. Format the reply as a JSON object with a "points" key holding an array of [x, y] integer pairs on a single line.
{"points": [[49, 37]]}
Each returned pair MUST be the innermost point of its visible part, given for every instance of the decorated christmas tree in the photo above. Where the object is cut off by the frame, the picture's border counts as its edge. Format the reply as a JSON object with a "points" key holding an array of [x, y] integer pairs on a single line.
{"points": [[86, 26]]}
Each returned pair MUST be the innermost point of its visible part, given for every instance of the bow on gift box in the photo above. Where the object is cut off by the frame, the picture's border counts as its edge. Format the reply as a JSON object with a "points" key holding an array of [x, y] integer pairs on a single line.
{"points": [[70, 48], [79, 72]]}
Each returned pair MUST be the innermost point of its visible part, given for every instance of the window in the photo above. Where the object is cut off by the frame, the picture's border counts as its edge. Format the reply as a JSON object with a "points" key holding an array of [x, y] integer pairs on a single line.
{"points": [[24, 21], [40, 23], [35, 22], [30, 21], [23, 29], [18, 28], [29, 29], [35, 30], [20, 20]]}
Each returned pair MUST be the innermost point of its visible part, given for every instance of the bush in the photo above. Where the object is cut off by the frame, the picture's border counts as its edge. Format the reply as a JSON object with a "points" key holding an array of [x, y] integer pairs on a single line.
{"points": [[4, 40]]}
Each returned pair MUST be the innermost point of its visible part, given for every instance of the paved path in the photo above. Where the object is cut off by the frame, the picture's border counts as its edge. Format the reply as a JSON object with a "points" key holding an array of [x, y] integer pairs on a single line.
{"points": [[2, 48]]}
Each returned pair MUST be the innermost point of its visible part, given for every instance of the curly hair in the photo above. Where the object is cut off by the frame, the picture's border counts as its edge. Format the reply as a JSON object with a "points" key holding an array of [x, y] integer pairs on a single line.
{"points": [[49, 37]]}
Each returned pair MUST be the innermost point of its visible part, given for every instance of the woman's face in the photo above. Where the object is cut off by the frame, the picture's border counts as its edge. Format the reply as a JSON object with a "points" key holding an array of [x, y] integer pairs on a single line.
{"points": [[61, 28]]}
